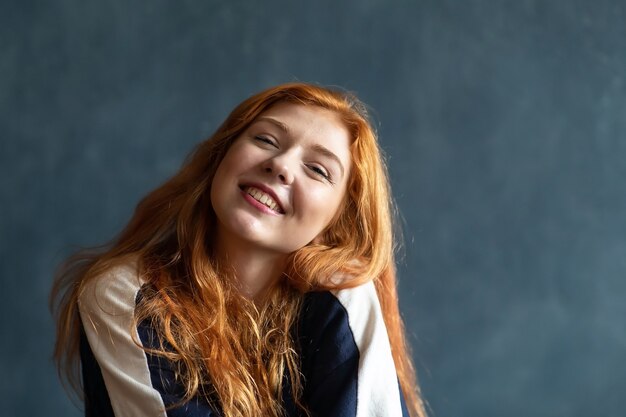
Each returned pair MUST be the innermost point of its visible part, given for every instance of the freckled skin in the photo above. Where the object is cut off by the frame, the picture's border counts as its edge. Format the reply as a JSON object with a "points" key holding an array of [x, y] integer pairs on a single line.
{"points": [[293, 168]]}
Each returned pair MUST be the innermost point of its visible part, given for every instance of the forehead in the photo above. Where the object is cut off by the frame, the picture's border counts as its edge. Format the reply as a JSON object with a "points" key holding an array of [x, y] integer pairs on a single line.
{"points": [[301, 116]]}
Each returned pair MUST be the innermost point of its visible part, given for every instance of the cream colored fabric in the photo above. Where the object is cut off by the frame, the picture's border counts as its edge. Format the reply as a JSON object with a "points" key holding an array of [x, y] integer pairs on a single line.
{"points": [[106, 307]]}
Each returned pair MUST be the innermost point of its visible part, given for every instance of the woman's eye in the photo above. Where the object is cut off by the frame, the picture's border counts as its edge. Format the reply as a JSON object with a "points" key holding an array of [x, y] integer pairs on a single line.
{"points": [[320, 171], [265, 139]]}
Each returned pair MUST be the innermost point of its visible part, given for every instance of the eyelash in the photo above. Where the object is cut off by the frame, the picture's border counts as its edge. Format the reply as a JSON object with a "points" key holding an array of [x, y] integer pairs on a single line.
{"points": [[265, 140], [317, 170]]}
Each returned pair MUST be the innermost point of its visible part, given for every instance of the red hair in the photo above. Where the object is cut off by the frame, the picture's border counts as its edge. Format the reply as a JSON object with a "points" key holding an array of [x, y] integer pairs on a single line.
{"points": [[244, 350]]}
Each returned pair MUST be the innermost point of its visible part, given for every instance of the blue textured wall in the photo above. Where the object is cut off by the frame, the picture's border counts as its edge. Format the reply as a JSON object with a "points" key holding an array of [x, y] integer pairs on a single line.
{"points": [[504, 124]]}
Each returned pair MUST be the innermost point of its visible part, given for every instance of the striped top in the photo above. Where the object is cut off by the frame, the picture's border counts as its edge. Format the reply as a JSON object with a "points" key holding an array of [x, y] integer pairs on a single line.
{"points": [[342, 340]]}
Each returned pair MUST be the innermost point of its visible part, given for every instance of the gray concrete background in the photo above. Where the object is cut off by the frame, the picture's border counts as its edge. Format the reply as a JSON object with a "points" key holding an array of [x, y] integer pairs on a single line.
{"points": [[504, 126]]}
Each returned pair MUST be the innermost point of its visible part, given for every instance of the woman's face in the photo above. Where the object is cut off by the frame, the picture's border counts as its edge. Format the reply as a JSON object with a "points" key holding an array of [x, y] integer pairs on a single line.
{"points": [[283, 179]]}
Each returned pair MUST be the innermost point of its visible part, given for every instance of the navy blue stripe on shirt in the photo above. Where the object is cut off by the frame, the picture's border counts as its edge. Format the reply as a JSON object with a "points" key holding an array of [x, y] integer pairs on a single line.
{"points": [[329, 356]]}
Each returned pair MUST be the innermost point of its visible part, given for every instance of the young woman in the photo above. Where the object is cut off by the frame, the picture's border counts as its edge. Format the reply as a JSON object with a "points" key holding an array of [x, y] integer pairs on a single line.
{"points": [[258, 281]]}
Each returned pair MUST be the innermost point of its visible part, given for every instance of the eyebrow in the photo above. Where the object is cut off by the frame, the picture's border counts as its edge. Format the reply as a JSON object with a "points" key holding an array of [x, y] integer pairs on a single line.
{"points": [[327, 153], [317, 147], [275, 122]]}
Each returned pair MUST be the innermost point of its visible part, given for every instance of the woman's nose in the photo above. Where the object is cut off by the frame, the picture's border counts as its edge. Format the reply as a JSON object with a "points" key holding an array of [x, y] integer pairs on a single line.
{"points": [[279, 167]]}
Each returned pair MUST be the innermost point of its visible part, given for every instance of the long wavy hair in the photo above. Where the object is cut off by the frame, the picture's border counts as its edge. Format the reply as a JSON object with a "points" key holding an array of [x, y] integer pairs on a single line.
{"points": [[226, 347]]}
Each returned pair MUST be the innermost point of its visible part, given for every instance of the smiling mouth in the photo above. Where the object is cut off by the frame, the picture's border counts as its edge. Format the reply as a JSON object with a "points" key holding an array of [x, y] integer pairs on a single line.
{"points": [[263, 198]]}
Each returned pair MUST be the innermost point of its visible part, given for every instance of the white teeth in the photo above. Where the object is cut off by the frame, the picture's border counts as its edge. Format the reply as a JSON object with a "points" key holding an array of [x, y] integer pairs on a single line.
{"points": [[262, 197]]}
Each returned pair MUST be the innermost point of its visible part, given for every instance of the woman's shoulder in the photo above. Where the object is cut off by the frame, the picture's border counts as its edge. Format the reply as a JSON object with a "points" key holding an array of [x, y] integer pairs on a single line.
{"points": [[345, 319], [118, 373], [361, 296], [114, 289], [361, 300], [346, 354]]}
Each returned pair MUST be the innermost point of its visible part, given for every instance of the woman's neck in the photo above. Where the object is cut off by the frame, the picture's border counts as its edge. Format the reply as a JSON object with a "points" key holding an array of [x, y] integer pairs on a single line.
{"points": [[255, 268]]}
